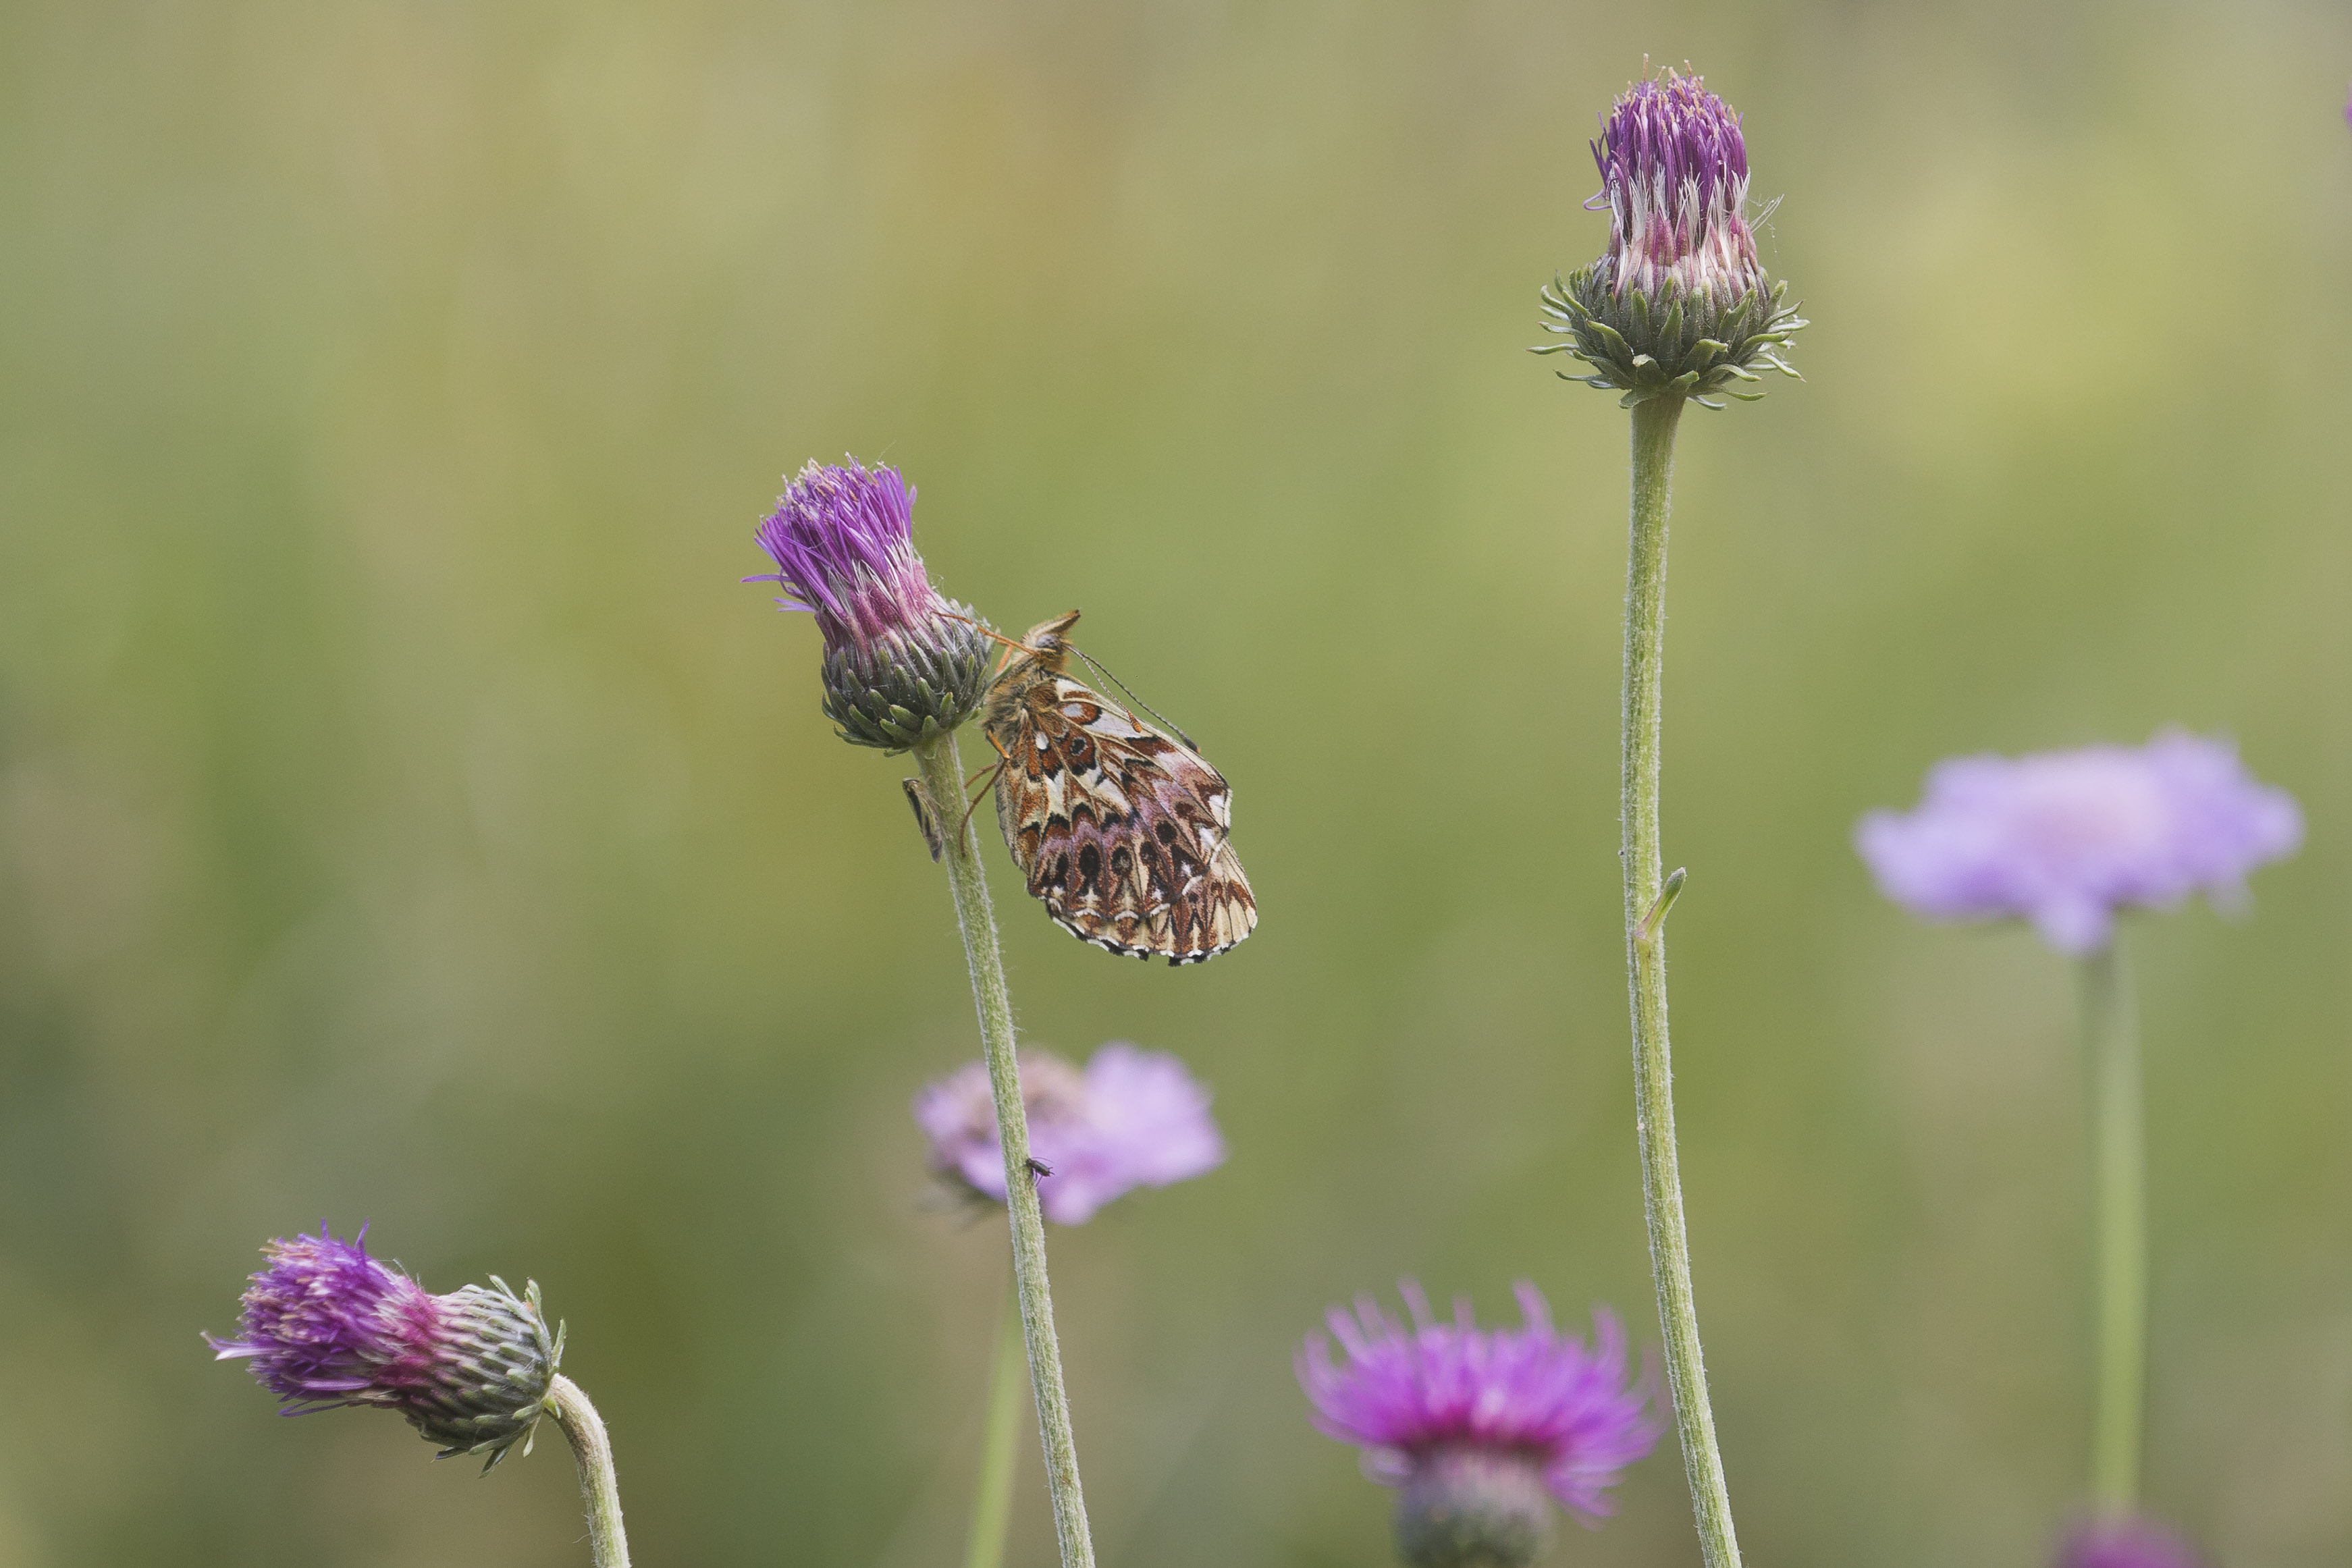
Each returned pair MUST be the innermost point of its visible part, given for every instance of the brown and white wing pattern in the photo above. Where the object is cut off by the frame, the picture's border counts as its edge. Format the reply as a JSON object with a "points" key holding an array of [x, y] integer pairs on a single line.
{"points": [[1121, 832]]}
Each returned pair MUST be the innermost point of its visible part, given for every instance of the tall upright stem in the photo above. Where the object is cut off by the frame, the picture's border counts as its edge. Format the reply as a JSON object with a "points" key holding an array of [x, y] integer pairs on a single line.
{"points": [[1655, 419], [942, 771], [1000, 1445], [600, 1489], [2112, 1036]]}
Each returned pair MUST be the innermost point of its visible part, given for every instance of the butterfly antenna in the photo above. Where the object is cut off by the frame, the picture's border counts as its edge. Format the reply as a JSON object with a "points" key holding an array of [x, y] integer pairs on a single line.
{"points": [[1095, 665]]}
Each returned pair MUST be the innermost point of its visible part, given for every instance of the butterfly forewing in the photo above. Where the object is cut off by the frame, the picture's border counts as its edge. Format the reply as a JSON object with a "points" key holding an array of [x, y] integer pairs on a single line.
{"points": [[1121, 830]]}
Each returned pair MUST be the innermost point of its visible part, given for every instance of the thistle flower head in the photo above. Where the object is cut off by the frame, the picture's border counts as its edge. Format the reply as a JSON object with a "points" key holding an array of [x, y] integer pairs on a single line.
{"points": [[1679, 305], [900, 666], [1133, 1118], [325, 1324], [1478, 1428], [2067, 839], [2127, 1543]]}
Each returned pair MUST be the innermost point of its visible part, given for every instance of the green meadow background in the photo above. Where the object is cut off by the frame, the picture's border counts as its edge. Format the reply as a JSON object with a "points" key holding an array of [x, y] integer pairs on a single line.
{"points": [[407, 817]]}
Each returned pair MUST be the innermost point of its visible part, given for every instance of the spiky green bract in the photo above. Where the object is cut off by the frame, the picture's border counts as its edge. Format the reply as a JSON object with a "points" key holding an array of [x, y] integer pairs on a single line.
{"points": [[497, 1360], [1678, 345], [897, 692]]}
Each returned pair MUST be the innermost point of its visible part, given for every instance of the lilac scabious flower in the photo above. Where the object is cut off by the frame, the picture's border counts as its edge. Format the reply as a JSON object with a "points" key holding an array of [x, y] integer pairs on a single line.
{"points": [[1133, 1118], [1478, 1428], [2124, 1542], [902, 664], [1679, 305], [325, 1324], [2065, 839]]}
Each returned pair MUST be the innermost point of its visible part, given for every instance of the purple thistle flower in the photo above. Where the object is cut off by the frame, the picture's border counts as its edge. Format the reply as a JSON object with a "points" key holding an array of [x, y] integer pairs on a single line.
{"points": [[1478, 1427], [325, 1324], [1674, 170], [2065, 839], [1679, 305], [901, 663], [1133, 1118], [2126, 1542]]}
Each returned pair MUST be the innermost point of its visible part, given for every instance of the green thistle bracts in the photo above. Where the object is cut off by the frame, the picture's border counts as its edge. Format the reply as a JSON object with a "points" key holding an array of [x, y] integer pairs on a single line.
{"points": [[1682, 345], [897, 691], [488, 1386]]}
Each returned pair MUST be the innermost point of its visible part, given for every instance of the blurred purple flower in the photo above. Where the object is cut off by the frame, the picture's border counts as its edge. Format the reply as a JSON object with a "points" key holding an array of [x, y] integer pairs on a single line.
{"points": [[325, 1324], [1450, 1412], [2065, 839], [1674, 170], [1133, 1118], [902, 664], [2125, 1543]]}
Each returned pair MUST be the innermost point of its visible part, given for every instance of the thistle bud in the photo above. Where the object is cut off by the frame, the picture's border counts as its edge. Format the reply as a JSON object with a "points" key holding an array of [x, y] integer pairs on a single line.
{"points": [[325, 1325], [900, 666], [1679, 305]]}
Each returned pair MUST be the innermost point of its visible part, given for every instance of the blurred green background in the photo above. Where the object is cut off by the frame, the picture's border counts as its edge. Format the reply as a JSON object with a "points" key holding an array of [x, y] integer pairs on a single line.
{"points": [[406, 817]]}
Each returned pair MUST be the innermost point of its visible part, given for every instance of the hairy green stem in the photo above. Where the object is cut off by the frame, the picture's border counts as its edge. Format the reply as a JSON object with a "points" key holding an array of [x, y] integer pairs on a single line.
{"points": [[600, 1489], [944, 781], [2111, 1035], [1645, 959], [1000, 1444]]}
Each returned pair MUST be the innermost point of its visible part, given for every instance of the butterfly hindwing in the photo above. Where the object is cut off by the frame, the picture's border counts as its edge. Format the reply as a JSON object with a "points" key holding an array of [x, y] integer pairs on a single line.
{"points": [[1121, 830]]}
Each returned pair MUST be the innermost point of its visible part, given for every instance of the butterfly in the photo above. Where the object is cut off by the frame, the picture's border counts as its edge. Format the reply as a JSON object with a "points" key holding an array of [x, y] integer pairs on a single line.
{"points": [[1123, 831]]}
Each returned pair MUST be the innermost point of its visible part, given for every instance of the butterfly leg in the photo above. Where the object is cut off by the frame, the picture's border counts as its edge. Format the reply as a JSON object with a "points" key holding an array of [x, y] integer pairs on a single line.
{"points": [[991, 775]]}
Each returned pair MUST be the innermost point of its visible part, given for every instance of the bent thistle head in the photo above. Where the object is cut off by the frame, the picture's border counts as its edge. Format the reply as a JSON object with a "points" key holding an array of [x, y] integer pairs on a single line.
{"points": [[325, 1324], [902, 665], [1679, 305]]}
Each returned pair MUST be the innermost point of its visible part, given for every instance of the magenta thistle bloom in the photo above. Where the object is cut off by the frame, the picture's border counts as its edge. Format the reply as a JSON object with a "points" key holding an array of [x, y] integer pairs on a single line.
{"points": [[2125, 1543], [1674, 169], [325, 1324], [1679, 304], [901, 663], [1478, 1426], [2065, 839], [1133, 1118]]}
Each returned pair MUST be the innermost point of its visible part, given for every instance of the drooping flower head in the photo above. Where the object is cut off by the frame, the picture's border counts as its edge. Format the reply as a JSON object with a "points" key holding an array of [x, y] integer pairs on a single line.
{"points": [[2067, 839], [899, 667], [1133, 1118], [1479, 1427], [1679, 305], [2124, 1543], [325, 1324]]}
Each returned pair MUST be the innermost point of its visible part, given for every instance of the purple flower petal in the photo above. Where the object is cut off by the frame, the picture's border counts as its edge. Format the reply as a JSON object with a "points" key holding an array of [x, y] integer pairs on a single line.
{"points": [[1134, 1118], [2067, 839]]}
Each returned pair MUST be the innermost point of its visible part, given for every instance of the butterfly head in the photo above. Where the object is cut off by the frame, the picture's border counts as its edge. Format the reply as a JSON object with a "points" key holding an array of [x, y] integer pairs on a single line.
{"points": [[1047, 644]]}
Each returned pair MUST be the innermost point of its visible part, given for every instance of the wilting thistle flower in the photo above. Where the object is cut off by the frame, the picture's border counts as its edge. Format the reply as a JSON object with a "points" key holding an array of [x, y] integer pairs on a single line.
{"points": [[1679, 305], [1133, 1118], [325, 1324], [2125, 1543], [1481, 1428], [900, 668], [2065, 839]]}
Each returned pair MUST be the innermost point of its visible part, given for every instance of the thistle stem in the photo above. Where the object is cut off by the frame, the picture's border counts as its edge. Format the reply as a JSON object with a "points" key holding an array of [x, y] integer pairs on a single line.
{"points": [[2111, 1035], [943, 779], [1655, 419], [1000, 1444], [600, 1489]]}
